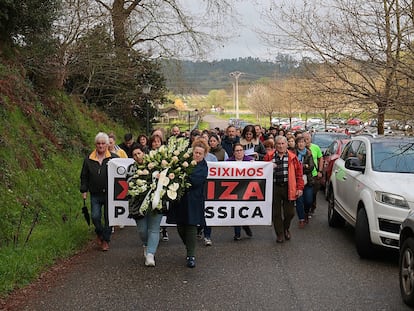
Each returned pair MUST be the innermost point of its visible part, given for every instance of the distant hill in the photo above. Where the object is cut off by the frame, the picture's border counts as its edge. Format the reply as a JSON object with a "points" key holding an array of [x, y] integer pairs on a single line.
{"points": [[200, 77]]}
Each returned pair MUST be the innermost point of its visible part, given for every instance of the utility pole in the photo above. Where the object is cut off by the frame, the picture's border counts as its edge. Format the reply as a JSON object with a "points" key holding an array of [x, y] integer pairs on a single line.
{"points": [[236, 75]]}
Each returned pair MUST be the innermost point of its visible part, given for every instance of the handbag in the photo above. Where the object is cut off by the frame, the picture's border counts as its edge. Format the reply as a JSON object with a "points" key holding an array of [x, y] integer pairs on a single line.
{"points": [[305, 179]]}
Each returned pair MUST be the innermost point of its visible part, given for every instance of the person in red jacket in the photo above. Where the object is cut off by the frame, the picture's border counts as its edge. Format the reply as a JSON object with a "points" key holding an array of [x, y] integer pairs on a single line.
{"points": [[287, 186]]}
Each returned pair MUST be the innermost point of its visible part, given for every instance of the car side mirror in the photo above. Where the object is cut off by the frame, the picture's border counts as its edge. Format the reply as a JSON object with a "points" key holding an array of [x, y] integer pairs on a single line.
{"points": [[354, 164]]}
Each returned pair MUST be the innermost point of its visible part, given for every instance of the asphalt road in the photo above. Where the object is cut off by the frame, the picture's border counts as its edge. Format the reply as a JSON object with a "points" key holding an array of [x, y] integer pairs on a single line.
{"points": [[318, 269], [215, 122]]}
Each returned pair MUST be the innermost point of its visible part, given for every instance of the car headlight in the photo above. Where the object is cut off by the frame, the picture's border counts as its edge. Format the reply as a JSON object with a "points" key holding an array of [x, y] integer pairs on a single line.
{"points": [[391, 199]]}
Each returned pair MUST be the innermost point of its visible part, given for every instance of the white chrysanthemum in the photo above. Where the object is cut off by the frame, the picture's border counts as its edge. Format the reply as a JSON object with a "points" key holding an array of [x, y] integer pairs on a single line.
{"points": [[165, 181], [172, 194]]}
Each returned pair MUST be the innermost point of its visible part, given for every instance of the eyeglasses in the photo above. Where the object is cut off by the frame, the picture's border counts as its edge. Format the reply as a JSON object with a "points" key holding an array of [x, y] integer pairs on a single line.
{"points": [[238, 150]]}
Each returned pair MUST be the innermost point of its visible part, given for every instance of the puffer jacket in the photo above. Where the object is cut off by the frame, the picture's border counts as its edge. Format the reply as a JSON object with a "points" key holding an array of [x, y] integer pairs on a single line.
{"points": [[94, 176]]}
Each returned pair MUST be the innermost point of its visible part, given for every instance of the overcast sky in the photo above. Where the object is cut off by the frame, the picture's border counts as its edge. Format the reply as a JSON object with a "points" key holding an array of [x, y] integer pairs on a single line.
{"points": [[245, 41]]}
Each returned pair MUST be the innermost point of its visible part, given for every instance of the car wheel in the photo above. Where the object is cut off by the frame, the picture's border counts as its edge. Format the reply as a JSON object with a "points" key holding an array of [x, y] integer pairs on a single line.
{"points": [[364, 246], [407, 271], [327, 190], [334, 219]]}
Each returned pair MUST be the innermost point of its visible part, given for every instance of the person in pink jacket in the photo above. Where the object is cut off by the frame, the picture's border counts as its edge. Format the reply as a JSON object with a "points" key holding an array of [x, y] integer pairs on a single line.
{"points": [[287, 187]]}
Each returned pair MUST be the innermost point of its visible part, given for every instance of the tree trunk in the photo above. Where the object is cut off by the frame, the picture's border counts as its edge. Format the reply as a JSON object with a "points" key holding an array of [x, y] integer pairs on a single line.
{"points": [[119, 18], [381, 115]]}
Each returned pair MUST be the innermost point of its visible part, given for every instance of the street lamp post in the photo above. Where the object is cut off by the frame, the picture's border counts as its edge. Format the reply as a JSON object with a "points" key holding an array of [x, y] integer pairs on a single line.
{"points": [[146, 89], [189, 115], [189, 118], [236, 75]]}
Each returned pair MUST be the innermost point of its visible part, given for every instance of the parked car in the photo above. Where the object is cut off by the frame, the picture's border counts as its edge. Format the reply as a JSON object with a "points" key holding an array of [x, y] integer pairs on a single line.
{"points": [[354, 121], [297, 126], [406, 262], [338, 121], [330, 155], [324, 139], [371, 188]]}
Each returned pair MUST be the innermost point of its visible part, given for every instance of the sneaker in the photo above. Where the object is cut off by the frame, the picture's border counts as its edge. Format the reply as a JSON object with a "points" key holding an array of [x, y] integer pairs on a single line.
{"points": [[145, 251], [248, 231], [149, 260], [301, 223], [237, 238], [105, 246], [207, 242], [191, 262], [113, 230], [164, 235]]}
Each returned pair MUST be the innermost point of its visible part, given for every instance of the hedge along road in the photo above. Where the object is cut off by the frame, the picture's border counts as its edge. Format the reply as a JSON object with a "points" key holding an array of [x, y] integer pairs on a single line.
{"points": [[318, 269]]}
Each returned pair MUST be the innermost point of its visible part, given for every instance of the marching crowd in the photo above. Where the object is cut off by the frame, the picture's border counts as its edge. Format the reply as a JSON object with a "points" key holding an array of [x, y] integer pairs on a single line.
{"points": [[297, 165]]}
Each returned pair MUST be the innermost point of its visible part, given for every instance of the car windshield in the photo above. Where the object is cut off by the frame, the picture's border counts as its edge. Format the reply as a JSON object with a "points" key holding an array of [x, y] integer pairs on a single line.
{"points": [[323, 141], [395, 157]]}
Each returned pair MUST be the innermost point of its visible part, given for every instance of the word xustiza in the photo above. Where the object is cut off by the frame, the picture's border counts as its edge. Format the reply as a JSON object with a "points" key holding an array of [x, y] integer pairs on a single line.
{"points": [[236, 190]]}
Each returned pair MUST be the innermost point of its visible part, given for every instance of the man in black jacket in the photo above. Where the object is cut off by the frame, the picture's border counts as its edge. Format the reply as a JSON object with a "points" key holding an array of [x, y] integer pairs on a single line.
{"points": [[230, 139], [94, 179], [127, 144]]}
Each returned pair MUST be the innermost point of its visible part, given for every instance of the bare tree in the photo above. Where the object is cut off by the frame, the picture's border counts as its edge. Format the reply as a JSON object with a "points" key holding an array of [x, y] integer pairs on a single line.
{"points": [[164, 27], [360, 43], [264, 100]]}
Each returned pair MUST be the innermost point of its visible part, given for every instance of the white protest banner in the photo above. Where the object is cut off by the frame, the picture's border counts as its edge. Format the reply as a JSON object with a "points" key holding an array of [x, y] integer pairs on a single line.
{"points": [[117, 192], [237, 193]]}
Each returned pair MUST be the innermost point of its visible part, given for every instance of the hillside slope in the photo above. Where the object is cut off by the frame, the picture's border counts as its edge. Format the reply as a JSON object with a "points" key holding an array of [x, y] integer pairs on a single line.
{"points": [[43, 140]]}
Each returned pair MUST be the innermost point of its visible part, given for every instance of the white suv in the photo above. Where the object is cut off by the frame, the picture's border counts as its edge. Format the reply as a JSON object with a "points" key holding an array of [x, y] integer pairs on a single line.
{"points": [[372, 188]]}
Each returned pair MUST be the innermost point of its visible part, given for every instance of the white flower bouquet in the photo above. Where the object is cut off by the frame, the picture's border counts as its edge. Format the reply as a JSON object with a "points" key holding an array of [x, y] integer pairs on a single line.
{"points": [[163, 176]]}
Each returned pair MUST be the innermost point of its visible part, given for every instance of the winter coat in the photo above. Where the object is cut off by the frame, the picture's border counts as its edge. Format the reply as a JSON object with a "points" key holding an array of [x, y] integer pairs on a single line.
{"points": [[189, 210], [94, 176], [245, 158], [220, 153], [227, 143], [308, 165], [256, 144], [295, 173]]}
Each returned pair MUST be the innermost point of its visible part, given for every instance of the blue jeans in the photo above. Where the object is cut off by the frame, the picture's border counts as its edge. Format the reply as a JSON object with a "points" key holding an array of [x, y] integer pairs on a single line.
{"points": [[300, 208], [149, 231], [97, 202], [237, 230], [207, 232], [307, 198]]}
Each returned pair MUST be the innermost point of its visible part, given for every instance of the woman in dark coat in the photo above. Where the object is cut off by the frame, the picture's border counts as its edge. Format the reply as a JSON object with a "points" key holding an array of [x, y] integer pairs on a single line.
{"points": [[188, 213]]}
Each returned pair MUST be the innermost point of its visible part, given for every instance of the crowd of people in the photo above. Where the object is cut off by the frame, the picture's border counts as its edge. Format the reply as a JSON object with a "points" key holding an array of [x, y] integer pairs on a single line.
{"points": [[297, 165]]}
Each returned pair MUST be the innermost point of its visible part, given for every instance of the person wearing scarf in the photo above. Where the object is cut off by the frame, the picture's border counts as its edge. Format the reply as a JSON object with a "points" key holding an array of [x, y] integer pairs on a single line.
{"points": [[304, 202]]}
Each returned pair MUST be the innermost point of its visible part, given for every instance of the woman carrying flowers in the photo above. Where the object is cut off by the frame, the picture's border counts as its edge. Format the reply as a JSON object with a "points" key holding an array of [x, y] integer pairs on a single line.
{"points": [[148, 225], [158, 177], [188, 212]]}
